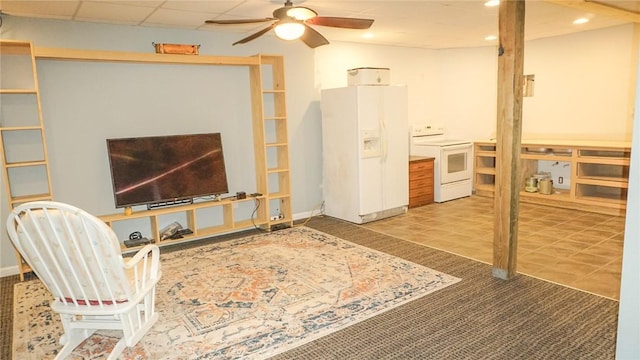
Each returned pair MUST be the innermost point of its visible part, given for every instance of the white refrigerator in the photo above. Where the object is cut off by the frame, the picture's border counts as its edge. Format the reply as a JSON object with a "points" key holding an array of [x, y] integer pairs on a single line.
{"points": [[365, 148]]}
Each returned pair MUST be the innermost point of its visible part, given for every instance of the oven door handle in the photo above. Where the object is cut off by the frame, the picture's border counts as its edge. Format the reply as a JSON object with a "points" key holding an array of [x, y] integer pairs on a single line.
{"points": [[456, 147]]}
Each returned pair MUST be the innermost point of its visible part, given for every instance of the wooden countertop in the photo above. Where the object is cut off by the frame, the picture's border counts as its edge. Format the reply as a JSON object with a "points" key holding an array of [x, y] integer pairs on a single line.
{"points": [[416, 158], [570, 143]]}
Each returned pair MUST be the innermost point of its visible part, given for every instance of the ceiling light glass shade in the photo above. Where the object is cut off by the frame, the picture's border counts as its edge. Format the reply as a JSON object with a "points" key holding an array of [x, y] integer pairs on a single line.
{"points": [[301, 13], [289, 30]]}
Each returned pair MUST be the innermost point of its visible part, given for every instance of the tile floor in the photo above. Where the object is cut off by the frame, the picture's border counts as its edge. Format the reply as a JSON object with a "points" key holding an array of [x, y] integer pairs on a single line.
{"points": [[574, 248]]}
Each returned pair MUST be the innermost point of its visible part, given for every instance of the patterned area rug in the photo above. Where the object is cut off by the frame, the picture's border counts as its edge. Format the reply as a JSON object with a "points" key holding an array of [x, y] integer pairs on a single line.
{"points": [[246, 298]]}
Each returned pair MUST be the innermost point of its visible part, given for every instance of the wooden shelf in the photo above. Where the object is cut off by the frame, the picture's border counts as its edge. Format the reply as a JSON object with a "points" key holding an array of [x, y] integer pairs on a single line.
{"points": [[556, 195], [134, 57], [599, 179], [18, 91], [546, 157], [20, 128], [486, 170], [485, 187], [605, 161], [603, 181], [202, 225]]}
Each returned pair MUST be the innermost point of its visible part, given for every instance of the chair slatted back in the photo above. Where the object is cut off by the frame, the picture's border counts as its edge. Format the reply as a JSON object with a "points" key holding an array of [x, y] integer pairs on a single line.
{"points": [[76, 255]]}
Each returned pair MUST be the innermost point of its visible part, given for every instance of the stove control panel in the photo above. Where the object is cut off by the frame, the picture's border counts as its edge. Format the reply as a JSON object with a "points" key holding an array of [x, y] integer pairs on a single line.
{"points": [[426, 130]]}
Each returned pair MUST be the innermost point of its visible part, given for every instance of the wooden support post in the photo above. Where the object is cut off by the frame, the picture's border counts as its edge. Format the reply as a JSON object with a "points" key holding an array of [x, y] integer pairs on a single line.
{"points": [[509, 133]]}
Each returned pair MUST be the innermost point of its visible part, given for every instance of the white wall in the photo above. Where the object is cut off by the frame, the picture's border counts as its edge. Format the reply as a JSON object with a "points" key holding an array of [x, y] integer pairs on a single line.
{"points": [[583, 84], [467, 92], [409, 66], [628, 340], [85, 103], [582, 87]]}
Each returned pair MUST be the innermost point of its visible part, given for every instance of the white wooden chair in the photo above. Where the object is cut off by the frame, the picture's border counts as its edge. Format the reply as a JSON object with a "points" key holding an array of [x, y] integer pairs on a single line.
{"points": [[79, 260]]}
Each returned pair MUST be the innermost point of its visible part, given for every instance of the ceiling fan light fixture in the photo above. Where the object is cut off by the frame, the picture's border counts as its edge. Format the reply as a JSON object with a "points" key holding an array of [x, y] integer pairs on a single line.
{"points": [[580, 21], [301, 13], [289, 30]]}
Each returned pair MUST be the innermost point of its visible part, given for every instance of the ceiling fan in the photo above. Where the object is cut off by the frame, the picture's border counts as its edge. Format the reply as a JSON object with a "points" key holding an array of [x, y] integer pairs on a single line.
{"points": [[292, 22]]}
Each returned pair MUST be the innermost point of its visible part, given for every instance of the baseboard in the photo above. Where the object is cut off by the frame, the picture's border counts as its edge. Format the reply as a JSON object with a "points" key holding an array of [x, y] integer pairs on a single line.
{"points": [[8, 271], [304, 216]]}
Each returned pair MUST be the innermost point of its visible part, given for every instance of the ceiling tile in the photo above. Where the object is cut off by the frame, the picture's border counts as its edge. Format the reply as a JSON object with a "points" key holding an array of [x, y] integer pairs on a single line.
{"points": [[420, 23], [120, 12]]}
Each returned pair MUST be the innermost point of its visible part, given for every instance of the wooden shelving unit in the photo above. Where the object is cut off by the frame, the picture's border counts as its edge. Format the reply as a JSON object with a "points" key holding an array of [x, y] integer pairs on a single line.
{"points": [[205, 219], [23, 144], [271, 138], [484, 175], [271, 208], [599, 173]]}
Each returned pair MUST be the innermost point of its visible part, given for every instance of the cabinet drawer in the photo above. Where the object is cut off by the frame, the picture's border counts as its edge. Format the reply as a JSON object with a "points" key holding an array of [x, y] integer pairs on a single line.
{"points": [[421, 183], [416, 175], [421, 166]]}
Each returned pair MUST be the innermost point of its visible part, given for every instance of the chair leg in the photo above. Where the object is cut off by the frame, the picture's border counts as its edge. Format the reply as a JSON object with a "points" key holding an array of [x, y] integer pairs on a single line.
{"points": [[71, 339], [117, 349]]}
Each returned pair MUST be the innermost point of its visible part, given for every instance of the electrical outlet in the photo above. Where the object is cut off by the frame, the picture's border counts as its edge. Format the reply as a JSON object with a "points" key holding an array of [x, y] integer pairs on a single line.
{"points": [[277, 217], [560, 180]]}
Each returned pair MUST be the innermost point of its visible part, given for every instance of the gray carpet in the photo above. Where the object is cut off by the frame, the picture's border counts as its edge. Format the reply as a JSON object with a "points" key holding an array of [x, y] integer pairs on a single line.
{"points": [[480, 317]]}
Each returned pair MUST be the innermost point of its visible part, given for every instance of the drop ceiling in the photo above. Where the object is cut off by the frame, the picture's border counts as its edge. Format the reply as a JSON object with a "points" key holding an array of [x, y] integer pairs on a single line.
{"points": [[426, 24]]}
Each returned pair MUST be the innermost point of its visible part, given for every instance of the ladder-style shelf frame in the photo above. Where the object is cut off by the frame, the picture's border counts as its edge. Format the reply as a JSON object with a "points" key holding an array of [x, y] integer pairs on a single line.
{"points": [[271, 156]]}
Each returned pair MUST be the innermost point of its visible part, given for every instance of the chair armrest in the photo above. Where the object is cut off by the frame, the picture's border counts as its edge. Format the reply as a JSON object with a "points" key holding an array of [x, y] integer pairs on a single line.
{"points": [[144, 266]]}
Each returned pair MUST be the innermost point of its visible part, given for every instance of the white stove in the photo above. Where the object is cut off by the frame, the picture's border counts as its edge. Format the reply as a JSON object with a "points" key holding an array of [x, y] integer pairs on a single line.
{"points": [[452, 164]]}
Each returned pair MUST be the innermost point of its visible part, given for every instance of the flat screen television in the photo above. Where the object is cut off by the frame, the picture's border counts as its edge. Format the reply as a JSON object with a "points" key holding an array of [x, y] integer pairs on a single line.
{"points": [[166, 169]]}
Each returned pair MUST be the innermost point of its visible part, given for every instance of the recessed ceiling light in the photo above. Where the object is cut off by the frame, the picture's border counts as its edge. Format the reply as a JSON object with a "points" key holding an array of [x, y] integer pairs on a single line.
{"points": [[492, 3], [580, 21], [491, 38], [368, 35]]}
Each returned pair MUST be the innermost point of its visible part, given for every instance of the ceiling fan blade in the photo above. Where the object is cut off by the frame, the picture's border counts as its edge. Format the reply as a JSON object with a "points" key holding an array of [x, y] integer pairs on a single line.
{"points": [[340, 22], [256, 35], [313, 38], [238, 21]]}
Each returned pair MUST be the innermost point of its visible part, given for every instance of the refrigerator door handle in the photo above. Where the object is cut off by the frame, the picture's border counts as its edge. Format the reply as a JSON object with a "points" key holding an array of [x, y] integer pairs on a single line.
{"points": [[383, 139]]}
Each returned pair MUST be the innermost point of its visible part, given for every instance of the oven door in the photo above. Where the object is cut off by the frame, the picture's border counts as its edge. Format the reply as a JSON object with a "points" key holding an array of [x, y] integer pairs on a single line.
{"points": [[455, 163]]}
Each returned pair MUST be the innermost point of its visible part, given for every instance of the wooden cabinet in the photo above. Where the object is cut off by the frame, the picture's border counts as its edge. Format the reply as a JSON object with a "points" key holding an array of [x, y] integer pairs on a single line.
{"points": [[598, 173], [271, 205], [420, 181]]}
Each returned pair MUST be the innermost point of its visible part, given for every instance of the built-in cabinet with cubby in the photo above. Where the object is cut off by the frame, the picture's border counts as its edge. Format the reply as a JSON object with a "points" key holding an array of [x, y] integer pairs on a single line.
{"points": [[599, 173], [269, 207]]}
